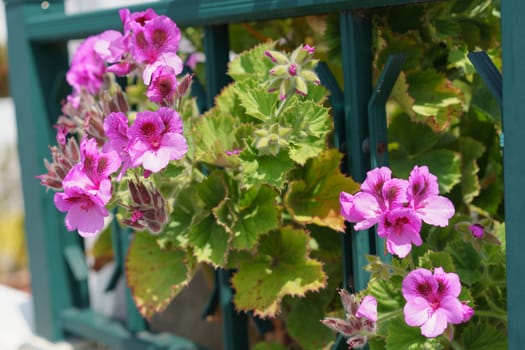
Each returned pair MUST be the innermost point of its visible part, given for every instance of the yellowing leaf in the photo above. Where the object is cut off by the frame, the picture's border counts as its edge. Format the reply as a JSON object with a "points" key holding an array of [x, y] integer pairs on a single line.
{"points": [[314, 197], [155, 275], [281, 267]]}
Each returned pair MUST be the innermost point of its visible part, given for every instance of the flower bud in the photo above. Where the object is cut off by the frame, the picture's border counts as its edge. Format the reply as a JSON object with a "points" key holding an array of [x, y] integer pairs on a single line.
{"points": [[300, 86], [148, 208], [276, 56], [310, 76], [279, 70]]}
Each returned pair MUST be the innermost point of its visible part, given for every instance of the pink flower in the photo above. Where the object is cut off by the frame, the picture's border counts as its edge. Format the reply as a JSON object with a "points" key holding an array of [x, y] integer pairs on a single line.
{"points": [[163, 85], [116, 130], [468, 312], [476, 230], [423, 194], [401, 228], [157, 36], [110, 46], [87, 189], [95, 165], [432, 300], [168, 59], [84, 202], [156, 138], [367, 308], [398, 206], [136, 18], [87, 67]]}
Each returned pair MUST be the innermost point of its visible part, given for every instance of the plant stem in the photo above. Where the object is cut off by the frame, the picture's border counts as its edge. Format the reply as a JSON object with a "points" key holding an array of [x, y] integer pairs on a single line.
{"points": [[283, 103], [491, 314], [389, 315]]}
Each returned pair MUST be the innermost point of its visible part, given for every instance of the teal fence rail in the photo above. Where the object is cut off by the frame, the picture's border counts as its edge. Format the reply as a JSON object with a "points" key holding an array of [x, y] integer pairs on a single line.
{"points": [[38, 32]]}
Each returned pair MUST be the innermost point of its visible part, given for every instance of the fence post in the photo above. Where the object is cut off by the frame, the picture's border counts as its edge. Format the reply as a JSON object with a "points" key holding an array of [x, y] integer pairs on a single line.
{"points": [[514, 164], [36, 71], [216, 46], [356, 41]]}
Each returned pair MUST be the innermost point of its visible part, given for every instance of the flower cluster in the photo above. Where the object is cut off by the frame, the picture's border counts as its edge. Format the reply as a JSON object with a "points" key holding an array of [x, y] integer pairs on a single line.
{"points": [[359, 322], [398, 207], [291, 73], [113, 137], [432, 301], [147, 47]]}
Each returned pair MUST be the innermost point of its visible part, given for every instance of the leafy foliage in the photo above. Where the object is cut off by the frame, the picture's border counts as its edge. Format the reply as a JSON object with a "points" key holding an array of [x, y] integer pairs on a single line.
{"points": [[259, 189]]}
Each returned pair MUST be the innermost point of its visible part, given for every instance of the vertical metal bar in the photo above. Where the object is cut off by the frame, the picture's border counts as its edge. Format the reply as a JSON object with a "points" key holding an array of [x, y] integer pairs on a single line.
{"points": [[378, 128], [33, 70], [514, 165], [216, 46], [357, 62], [217, 50], [489, 73]]}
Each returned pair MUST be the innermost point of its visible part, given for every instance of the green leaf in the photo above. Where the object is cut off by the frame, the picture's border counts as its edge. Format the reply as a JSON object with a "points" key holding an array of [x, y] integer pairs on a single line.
{"points": [[257, 213], [443, 163], [387, 294], [303, 323], [269, 346], [210, 241], [281, 267], [470, 150], [433, 259], [409, 137], [186, 206], [401, 95], [483, 337], [265, 169], [436, 99], [315, 197], [214, 134], [155, 275], [212, 190], [251, 64], [256, 100], [311, 124], [466, 258], [403, 337], [228, 102]]}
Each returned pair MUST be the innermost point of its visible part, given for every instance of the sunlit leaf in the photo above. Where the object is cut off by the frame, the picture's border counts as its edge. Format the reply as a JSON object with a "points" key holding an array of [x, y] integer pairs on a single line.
{"points": [[155, 275], [314, 197], [281, 267]]}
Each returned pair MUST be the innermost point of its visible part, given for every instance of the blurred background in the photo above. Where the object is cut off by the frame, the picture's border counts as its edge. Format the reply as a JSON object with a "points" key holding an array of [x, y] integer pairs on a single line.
{"points": [[13, 258]]}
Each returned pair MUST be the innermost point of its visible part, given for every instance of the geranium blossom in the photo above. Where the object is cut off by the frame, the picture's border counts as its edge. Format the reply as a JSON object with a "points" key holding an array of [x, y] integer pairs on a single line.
{"points": [[423, 195], [400, 227], [398, 206], [87, 189], [163, 85], [432, 301], [156, 138], [87, 67]]}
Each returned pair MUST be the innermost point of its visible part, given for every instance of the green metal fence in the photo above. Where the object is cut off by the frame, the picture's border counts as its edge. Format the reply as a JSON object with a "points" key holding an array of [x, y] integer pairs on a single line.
{"points": [[38, 32]]}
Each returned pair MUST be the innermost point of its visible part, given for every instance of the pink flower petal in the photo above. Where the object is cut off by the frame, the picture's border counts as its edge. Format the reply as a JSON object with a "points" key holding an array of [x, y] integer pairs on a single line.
{"points": [[416, 312], [436, 324], [452, 308], [436, 210], [368, 308]]}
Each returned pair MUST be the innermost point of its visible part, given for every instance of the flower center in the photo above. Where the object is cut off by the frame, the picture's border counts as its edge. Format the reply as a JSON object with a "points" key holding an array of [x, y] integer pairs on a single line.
{"points": [[159, 37]]}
